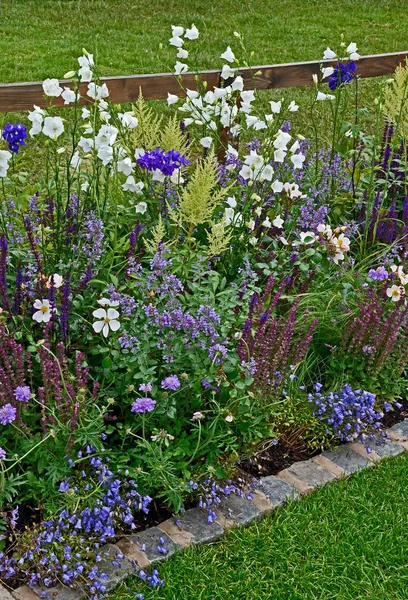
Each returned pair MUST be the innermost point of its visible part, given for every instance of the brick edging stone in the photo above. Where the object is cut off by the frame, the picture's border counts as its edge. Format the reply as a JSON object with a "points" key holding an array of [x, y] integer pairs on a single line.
{"points": [[147, 547]]}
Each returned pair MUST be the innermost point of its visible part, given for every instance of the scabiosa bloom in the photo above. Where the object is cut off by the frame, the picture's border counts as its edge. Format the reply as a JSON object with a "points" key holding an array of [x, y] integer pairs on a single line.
{"points": [[15, 136], [166, 162], [22, 393], [8, 414], [2, 454], [171, 382], [378, 274], [343, 73], [143, 405], [146, 387], [218, 353]]}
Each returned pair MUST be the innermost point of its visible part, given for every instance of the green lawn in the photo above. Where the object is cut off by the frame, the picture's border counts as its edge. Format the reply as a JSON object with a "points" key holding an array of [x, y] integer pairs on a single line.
{"points": [[347, 541], [42, 38]]}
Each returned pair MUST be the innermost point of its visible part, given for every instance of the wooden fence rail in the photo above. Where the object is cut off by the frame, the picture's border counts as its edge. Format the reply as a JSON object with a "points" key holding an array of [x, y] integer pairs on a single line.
{"points": [[22, 96]]}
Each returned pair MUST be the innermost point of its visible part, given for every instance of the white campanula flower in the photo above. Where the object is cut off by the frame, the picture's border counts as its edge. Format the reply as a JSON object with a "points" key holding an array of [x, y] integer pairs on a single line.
{"points": [[177, 31], [36, 117], [182, 53], [176, 177], [105, 154], [279, 155], [85, 113], [277, 186], [55, 281], [128, 120], [108, 320], [276, 106], [232, 203], [293, 107], [176, 41], [327, 71], [251, 224], [320, 96], [141, 208], [237, 84], [193, 33], [85, 71], [180, 68], [106, 136], [267, 223], [68, 95], [228, 55], [227, 72], [281, 140], [53, 127], [98, 92], [52, 88], [206, 141], [125, 166], [253, 241], [44, 311], [172, 99], [86, 144], [85, 74], [328, 54], [298, 160], [278, 222], [258, 211], [248, 96], [395, 292], [293, 191], [130, 185], [75, 161], [5, 156]]}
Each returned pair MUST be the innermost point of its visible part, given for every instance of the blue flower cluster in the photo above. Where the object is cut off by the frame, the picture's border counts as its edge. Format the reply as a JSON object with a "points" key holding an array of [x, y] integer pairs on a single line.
{"points": [[15, 136], [343, 73], [68, 548], [350, 414], [166, 162], [212, 493]]}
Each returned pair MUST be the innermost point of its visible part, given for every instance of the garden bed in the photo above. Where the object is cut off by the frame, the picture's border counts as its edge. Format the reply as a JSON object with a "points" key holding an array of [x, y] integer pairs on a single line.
{"points": [[189, 302]]}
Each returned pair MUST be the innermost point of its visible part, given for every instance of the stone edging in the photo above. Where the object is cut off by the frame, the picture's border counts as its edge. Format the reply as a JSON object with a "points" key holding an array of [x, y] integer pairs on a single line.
{"points": [[156, 543]]}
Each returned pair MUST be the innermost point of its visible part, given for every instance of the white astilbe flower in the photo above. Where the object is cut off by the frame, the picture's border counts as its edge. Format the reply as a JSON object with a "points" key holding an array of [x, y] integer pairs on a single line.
{"points": [[108, 320]]}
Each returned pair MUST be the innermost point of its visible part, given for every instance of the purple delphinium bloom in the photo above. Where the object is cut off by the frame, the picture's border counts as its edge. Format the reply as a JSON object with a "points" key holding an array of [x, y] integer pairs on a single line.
{"points": [[142, 405], [2, 454], [343, 73], [15, 136], [166, 162], [8, 414], [22, 393], [378, 274], [171, 382]]}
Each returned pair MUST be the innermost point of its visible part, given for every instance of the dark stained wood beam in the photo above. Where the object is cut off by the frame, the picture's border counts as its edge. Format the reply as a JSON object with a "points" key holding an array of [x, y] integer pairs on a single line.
{"points": [[22, 96]]}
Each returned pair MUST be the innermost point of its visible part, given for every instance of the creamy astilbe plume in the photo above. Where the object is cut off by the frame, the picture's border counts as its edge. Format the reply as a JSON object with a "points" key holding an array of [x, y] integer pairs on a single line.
{"points": [[396, 100], [157, 236], [147, 134], [200, 197], [218, 238], [172, 138]]}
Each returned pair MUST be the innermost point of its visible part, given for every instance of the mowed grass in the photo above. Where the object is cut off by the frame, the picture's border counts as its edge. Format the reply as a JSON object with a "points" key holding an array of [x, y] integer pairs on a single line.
{"points": [[347, 541], [43, 38]]}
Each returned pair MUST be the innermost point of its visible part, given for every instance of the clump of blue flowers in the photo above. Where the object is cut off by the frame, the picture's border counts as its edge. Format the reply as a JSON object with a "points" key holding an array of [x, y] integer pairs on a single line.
{"points": [[166, 162], [350, 414], [15, 136], [343, 73]]}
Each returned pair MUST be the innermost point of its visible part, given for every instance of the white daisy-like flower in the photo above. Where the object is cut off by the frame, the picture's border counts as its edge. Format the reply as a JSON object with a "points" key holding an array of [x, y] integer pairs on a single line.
{"points": [[44, 311], [108, 320]]}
